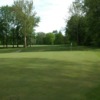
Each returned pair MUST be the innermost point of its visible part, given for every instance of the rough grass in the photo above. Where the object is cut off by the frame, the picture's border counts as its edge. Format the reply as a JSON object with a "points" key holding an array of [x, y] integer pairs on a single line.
{"points": [[50, 75]]}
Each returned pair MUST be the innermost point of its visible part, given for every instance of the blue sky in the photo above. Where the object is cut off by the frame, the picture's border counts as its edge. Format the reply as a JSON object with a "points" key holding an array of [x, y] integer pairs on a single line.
{"points": [[52, 13]]}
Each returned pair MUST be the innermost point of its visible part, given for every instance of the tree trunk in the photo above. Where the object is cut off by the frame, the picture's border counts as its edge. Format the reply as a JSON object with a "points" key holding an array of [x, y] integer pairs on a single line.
{"points": [[17, 41], [25, 43], [3, 41], [30, 41], [13, 38], [6, 41]]}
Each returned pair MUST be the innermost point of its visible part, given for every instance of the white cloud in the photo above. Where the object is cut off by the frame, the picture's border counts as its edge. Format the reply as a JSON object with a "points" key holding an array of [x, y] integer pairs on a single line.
{"points": [[6, 2], [52, 13]]}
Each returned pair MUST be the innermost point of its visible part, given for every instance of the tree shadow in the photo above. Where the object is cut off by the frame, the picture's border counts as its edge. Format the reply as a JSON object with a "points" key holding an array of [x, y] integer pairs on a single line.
{"points": [[94, 93], [8, 50], [44, 48], [58, 48]]}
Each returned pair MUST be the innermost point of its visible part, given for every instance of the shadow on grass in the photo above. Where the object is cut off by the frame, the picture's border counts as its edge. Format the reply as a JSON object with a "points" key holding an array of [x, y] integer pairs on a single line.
{"points": [[94, 93], [45, 79], [44, 48], [8, 50], [56, 48]]}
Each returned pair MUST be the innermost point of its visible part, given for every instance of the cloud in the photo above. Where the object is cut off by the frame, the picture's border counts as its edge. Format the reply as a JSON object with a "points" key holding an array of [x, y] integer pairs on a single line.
{"points": [[6, 2], [53, 14]]}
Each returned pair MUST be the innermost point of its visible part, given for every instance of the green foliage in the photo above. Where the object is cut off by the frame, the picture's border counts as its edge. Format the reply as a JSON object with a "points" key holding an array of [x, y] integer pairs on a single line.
{"points": [[83, 26], [26, 16], [93, 20], [49, 38], [76, 29], [59, 38], [5, 19], [17, 22], [40, 38]]}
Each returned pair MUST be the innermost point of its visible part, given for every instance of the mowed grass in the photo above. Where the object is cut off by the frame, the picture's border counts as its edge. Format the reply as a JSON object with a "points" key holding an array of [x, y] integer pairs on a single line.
{"points": [[49, 75]]}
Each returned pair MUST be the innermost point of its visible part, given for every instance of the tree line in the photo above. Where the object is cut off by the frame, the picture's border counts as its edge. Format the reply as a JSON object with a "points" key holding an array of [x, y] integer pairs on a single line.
{"points": [[17, 23], [51, 38], [83, 26], [17, 26]]}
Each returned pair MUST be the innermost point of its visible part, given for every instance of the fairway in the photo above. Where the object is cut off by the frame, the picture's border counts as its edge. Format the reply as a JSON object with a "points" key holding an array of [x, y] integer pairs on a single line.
{"points": [[49, 75]]}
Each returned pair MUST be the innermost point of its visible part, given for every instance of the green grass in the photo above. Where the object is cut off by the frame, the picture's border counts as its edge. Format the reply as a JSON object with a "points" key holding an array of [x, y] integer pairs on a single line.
{"points": [[45, 74], [46, 48]]}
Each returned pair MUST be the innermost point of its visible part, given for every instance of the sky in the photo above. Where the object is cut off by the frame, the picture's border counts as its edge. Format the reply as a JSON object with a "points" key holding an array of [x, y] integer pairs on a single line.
{"points": [[52, 13]]}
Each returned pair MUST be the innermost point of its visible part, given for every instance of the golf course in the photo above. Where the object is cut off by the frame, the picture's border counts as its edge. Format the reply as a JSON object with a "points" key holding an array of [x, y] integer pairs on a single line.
{"points": [[49, 73], [50, 50]]}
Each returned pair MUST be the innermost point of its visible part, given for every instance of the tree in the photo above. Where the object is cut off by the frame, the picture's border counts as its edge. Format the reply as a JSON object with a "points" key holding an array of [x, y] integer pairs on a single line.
{"points": [[5, 23], [83, 26], [2, 28], [92, 10], [74, 28], [40, 36], [77, 8], [26, 16], [59, 38], [49, 39]]}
